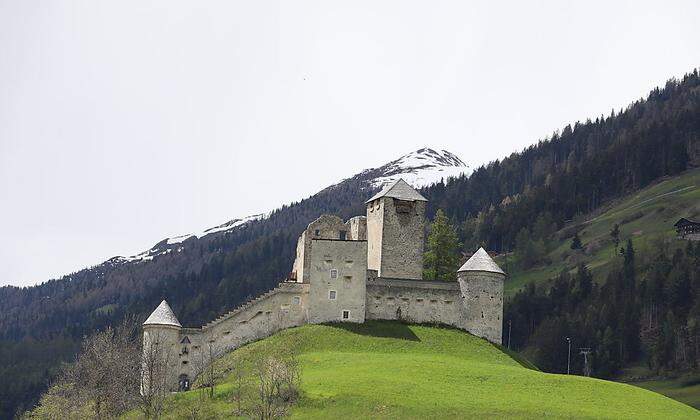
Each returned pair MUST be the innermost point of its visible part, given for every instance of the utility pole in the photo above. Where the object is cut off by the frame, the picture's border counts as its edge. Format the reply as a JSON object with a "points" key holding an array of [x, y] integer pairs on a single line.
{"points": [[568, 358], [510, 321], [585, 351]]}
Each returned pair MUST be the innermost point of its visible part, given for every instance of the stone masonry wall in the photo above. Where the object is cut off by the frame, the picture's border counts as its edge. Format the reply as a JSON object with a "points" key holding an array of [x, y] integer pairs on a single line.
{"points": [[357, 227], [415, 301], [483, 300], [338, 273], [325, 227], [282, 308]]}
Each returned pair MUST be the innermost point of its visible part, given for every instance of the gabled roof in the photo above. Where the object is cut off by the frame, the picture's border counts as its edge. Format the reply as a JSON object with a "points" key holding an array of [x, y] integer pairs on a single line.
{"points": [[685, 222], [481, 261], [163, 315], [399, 190]]}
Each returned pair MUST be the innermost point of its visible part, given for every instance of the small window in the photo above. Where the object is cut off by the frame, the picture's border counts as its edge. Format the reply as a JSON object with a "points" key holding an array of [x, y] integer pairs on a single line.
{"points": [[343, 234], [346, 314], [296, 300], [332, 294], [334, 273], [347, 282], [317, 232], [184, 362]]}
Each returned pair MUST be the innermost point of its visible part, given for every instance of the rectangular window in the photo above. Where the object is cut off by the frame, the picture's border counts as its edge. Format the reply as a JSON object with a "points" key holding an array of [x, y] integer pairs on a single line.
{"points": [[332, 294], [346, 314], [347, 282], [343, 234], [334, 273], [317, 232], [296, 300]]}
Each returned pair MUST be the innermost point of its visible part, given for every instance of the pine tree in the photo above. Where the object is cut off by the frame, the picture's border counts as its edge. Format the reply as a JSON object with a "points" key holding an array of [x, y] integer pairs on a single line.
{"points": [[615, 235], [576, 242], [442, 257]]}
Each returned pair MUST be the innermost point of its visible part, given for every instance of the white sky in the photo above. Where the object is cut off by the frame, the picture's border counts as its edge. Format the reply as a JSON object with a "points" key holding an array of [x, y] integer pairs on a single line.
{"points": [[125, 122]]}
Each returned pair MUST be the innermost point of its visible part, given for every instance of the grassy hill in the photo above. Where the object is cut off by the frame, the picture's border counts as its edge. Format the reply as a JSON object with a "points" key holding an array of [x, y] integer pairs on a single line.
{"points": [[645, 217], [388, 369]]}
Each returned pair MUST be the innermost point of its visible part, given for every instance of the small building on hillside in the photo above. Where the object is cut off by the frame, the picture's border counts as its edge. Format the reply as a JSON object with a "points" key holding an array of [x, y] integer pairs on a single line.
{"points": [[688, 229]]}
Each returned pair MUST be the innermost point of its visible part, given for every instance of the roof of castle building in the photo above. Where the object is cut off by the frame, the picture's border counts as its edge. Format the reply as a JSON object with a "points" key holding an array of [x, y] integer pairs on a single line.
{"points": [[163, 315], [399, 190], [481, 261]]}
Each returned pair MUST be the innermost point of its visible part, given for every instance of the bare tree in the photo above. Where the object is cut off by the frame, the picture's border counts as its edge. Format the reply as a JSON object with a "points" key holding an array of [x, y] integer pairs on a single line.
{"points": [[155, 364], [103, 380], [239, 375], [278, 387], [206, 368]]}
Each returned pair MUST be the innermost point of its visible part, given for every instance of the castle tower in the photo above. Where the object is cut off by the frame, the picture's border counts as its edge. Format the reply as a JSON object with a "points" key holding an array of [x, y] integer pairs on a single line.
{"points": [[395, 231], [481, 283], [161, 337]]}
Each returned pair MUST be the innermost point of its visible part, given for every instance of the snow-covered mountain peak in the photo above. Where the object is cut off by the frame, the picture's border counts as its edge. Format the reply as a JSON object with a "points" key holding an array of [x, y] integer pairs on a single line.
{"points": [[421, 168]]}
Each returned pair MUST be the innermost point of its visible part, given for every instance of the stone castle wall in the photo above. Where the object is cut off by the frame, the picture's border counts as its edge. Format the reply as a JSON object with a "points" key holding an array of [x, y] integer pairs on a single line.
{"points": [[325, 227], [415, 301], [338, 273], [282, 308]]}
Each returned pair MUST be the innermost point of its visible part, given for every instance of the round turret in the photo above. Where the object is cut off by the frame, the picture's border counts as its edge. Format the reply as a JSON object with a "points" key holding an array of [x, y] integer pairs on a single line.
{"points": [[161, 337], [481, 283]]}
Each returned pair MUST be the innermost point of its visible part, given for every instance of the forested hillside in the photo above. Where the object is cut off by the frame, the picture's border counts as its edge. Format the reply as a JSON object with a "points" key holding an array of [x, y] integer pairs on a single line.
{"points": [[569, 174]]}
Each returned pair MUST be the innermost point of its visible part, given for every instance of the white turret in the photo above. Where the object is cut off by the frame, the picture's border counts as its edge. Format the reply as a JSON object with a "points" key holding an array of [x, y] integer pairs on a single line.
{"points": [[161, 336], [481, 282]]}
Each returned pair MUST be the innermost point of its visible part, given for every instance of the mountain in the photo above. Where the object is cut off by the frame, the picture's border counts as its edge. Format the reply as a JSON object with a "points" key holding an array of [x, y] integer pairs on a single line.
{"points": [[421, 168]]}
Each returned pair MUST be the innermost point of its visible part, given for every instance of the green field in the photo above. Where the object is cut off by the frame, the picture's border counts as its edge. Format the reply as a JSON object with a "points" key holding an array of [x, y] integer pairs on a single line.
{"points": [[645, 217], [392, 370]]}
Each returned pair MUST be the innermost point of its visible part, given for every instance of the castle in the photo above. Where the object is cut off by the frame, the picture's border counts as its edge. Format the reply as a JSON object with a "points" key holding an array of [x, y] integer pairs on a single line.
{"points": [[369, 267]]}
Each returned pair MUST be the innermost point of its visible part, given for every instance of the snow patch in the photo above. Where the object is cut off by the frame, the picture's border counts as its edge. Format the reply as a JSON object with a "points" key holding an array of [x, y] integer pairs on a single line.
{"points": [[422, 168]]}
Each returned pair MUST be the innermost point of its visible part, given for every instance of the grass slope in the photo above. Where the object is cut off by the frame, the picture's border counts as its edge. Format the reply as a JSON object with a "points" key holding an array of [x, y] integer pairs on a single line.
{"points": [[644, 216], [388, 369]]}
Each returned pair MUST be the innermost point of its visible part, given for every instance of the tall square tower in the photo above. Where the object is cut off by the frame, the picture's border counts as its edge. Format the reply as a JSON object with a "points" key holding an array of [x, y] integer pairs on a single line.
{"points": [[395, 232]]}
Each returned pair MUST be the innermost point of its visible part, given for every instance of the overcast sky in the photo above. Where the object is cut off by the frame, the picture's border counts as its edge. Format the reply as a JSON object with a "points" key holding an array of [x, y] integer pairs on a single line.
{"points": [[125, 122]]}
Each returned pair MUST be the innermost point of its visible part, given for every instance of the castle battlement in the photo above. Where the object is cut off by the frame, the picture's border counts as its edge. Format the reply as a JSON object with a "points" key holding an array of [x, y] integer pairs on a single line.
{"points": [[369, 267]]}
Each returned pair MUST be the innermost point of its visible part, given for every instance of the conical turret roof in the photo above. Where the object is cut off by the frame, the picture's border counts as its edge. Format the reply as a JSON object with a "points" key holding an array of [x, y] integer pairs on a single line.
{"points": [[163, 315], [399, 190], [481, 261]]}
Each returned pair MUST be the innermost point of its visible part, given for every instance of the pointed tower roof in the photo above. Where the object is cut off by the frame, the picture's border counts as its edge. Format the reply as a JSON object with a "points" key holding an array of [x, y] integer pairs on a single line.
{"points": [[399, 190], [163, 315], [481, 261]]}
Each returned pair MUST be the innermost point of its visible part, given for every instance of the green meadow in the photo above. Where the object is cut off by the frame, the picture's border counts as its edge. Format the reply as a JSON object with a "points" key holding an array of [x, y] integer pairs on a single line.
{"points": [[385, 369]]}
